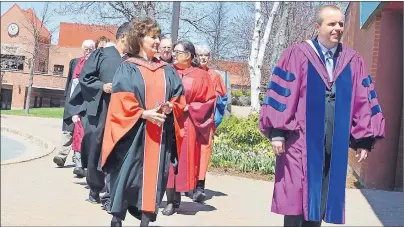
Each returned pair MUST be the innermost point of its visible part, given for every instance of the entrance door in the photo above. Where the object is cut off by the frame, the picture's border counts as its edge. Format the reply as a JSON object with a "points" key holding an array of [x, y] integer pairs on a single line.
{"points": [[6, 98]]}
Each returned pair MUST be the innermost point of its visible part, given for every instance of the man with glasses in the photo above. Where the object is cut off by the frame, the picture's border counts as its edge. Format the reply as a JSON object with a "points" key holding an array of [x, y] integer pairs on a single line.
{"points": [[165, 50]]}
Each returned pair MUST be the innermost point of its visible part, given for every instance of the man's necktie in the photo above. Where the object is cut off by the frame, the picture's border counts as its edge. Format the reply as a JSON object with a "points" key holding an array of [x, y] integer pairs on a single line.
{"points": [[329, 63]]}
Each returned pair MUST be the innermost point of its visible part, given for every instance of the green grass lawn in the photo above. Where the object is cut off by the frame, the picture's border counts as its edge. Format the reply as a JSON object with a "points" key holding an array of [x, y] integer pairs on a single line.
{"points": [[37, 112]]}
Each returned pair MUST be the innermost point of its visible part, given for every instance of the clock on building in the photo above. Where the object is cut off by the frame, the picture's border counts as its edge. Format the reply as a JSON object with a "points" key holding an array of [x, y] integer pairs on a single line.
{"points": [[13, 29]]}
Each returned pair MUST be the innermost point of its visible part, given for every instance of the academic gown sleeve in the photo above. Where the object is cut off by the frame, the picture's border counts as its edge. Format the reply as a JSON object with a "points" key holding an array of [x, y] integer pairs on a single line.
{"points": [[69, 78], [368, 120], [90, 83], [177, 98], [201, 105], [123, 111], [281, 98], [221, 99]]}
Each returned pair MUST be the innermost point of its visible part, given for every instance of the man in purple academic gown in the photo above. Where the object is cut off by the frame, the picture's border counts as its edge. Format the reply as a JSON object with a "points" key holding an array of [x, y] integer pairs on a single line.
{"points": [[319, 102]]}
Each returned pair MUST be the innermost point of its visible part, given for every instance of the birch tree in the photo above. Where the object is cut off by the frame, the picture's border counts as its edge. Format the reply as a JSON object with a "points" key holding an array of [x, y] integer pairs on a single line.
{"points": [[282, 34], [41, 43], [258, 46]]}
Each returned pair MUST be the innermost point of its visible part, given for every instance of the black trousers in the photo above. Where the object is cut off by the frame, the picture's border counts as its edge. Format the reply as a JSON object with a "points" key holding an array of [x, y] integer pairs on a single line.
{"points": [[298, 221]]}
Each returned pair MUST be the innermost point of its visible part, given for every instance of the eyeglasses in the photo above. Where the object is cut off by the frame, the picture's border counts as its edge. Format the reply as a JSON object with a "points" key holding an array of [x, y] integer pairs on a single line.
{"points": [[165, 48], [175, 52]]}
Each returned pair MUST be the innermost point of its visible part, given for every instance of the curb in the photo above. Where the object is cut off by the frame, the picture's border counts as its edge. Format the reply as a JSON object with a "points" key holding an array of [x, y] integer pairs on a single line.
{"points": [[46, 148]]}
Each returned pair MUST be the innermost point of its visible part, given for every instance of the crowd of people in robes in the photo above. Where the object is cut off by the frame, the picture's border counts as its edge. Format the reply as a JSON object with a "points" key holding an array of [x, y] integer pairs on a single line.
{"points": [[140, 115], [132, 108]]}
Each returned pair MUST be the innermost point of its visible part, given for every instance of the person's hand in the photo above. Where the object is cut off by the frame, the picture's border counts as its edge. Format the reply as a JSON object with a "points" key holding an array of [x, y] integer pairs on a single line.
{"points": [[362, 154], [167, 107], [153, 116], [278, 147], [107, 88], [76, 118], [186, 108]]}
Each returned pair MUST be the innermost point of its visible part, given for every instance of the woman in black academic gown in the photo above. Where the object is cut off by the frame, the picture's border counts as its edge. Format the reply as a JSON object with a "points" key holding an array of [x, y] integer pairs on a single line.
{"points": [[144, 115]]}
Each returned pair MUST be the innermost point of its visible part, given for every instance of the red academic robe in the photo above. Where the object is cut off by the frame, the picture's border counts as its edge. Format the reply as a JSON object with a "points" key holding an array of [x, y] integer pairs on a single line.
{"points": [[200, 97], [206, 149], [78, 131]]}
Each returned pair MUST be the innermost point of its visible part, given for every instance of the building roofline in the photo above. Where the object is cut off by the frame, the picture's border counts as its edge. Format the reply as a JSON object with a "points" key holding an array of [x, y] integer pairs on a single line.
{"points": [[15, 4], [89, 25], [375, 12], [24, 12]]}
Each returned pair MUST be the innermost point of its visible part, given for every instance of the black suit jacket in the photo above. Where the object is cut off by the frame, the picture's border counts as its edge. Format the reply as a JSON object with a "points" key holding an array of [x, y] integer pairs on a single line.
{"points": [[67, 123]]}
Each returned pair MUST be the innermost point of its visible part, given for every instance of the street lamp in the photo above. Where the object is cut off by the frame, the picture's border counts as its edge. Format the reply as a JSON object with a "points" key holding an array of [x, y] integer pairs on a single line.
{"points": [[175, 21]]}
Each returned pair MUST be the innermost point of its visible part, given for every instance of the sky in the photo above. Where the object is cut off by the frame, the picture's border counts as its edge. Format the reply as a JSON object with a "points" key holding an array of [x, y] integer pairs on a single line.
{"points": [[56, 19]]}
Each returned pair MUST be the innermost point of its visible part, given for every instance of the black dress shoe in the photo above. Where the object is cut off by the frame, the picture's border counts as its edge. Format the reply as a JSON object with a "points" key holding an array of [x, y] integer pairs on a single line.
{"points": [[169, 209], [107, 206], [59, 161], [79, 172], [199, 196], [116, 222]]}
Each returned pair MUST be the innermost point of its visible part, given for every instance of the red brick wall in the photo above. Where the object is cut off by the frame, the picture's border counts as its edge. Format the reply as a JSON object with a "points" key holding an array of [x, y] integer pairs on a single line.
{"points": [[62, 56], [24, 39], [389, 77], [399, 172], [365, 41], [19, 81], [383, 168]]}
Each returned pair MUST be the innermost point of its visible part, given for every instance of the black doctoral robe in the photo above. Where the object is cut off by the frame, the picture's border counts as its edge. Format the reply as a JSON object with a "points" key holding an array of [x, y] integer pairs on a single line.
{"points": [[98, 70], [67, 122], [137, 152]]}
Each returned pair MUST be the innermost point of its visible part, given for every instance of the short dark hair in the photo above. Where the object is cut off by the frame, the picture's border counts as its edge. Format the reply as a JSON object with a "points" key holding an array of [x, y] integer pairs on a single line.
{"points": [[122, 30], [138, 29], [189, 47]]}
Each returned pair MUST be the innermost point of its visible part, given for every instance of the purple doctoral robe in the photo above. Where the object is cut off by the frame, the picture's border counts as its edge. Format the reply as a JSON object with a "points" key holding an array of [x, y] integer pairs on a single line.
{"points": [[295, 103]]}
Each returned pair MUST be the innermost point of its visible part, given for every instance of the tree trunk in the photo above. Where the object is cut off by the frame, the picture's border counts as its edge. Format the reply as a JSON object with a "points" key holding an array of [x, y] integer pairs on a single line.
{"points": [[30, 82], [259, 56], [280, 38], [254, 49]]}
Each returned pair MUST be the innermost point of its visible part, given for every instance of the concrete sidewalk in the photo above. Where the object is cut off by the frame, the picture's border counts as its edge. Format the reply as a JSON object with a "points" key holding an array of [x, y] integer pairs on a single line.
{"points": [[37, 193]]}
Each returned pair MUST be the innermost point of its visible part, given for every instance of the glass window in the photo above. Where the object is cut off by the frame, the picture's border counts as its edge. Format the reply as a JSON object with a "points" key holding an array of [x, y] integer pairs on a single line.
{"points": [[58, 69], [12, 62]]}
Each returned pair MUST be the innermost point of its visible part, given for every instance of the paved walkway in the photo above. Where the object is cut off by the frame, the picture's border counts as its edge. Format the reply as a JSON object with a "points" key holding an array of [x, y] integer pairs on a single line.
{"points": [[37, 193]]}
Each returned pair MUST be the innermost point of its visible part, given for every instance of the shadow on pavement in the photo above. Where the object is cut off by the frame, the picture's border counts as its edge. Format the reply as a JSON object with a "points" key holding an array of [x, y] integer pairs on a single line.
{"points": [[190, 208], [65, 166], [210, 194], [387, 205]]}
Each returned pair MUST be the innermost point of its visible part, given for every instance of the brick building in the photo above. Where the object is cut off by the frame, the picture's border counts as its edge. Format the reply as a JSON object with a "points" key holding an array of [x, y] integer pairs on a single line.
{"points": [[52, 64], [375, 30]]}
